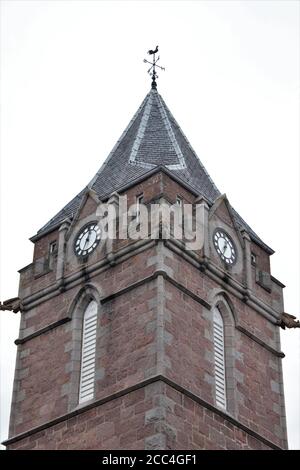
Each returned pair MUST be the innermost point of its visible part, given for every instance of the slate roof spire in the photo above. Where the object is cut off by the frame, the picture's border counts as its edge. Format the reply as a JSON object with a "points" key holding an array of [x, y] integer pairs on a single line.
{"points": [[153, 140]]}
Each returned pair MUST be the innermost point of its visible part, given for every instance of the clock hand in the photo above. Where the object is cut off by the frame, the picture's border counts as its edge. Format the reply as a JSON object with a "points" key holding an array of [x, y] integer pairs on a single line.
{"points": [[224, 248], [87, 240]]}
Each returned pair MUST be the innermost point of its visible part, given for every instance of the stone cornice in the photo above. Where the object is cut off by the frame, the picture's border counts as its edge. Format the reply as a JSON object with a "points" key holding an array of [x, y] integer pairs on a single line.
{"points": [[228, 283], [260, 341], [179, 286], [158, 378], [76, 278], [211, 270], [41, 331], [139, 283]]}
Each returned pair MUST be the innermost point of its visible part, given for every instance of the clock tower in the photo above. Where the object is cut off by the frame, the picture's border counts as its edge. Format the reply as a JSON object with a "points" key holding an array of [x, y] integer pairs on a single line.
{"points": [[135, 337]]}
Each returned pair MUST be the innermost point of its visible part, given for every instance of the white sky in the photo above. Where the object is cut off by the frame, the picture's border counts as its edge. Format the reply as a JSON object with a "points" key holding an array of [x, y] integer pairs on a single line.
{"points": [[72, 75]]}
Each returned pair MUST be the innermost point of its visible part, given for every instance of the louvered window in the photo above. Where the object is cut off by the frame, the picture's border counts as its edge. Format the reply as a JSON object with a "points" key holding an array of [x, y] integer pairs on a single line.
{"points": [[220, 375], [88, 354]]}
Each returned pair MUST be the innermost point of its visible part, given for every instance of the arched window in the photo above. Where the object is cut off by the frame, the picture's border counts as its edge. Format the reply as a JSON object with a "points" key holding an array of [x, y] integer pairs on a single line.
{"points": [[88, 352], [220, 366]]}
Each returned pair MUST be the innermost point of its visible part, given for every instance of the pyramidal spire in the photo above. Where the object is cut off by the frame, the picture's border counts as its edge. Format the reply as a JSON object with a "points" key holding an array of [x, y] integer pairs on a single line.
{"points": [[154, 115], [153, 140]]}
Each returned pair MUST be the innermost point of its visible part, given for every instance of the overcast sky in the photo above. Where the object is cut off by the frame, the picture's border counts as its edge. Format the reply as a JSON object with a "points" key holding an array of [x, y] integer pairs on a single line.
{"points": [[72, 75]]}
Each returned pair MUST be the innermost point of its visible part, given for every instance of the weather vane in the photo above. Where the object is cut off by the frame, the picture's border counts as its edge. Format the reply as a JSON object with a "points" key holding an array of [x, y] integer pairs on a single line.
{"points": [[152, 70]]}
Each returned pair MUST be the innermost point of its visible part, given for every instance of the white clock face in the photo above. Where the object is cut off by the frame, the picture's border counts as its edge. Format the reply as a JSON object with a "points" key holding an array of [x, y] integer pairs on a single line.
{"points": [[224, 247], [87, 239]]}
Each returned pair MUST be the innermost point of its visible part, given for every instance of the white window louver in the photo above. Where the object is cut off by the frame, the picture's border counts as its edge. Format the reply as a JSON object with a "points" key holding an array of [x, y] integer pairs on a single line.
{"points": [[220, 373], [88, 353]]}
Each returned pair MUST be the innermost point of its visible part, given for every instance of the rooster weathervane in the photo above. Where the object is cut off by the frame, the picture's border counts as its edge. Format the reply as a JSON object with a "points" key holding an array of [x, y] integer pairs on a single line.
{"points": [[152, 70]]}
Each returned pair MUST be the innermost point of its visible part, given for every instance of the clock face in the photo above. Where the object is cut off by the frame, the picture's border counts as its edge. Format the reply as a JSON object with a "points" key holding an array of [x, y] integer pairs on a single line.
{"points": [[224, 247], [87, 239]]}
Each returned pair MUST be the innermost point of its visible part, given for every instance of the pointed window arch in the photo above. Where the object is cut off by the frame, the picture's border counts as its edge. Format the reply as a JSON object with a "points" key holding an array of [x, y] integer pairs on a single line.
{"points": [[220, 365], [88, 352]]}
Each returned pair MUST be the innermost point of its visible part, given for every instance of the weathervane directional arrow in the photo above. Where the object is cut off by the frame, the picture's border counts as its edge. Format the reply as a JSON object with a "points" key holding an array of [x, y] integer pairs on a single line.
{"points": [[152, 70]]}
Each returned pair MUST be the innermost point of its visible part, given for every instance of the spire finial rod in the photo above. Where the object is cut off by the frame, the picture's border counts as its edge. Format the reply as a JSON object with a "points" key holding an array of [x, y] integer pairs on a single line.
{"points": [[152, 70]]}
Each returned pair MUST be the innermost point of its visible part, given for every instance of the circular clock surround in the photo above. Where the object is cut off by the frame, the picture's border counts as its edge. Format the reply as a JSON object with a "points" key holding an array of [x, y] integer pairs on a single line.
{"points": [[87, 239], [224, 246]]}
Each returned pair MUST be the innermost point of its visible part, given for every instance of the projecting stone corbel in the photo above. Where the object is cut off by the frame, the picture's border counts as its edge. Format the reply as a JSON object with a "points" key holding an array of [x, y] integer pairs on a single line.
{"points": [[12, 305], [288, 321]]}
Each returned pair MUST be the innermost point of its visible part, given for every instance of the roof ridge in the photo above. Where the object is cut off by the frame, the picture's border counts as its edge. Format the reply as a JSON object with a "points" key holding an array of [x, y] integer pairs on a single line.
{"points": [[189, 145], [172, 137], [62, 211], [110, 155], [141, 133]]}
